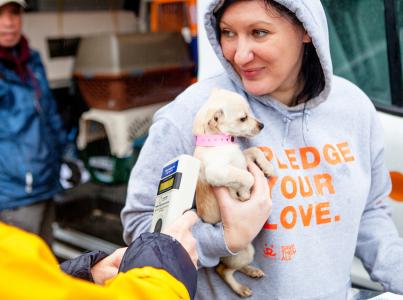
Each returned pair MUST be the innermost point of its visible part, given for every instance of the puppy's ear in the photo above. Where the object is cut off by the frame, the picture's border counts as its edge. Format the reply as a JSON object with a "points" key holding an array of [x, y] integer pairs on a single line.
{"points": [[214, 117]]}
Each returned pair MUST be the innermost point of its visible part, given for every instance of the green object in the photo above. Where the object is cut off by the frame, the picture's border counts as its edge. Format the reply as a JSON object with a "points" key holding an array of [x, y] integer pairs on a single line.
{"points": [[105, 167]]}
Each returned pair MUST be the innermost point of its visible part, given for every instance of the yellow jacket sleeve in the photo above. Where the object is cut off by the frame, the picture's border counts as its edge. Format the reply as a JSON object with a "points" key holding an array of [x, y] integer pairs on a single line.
{"points": [[28, 270]]}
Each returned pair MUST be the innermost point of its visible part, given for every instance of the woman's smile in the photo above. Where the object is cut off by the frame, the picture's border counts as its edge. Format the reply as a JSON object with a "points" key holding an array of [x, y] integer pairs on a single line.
{"points": [[251, 73]]}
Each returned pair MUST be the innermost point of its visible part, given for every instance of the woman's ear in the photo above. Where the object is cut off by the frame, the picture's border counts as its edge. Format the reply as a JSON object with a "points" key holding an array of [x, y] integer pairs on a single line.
{"points": [[306, 38]]}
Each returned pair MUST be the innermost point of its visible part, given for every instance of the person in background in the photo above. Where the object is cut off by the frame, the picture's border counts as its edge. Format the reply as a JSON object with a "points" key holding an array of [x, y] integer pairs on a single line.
{"points": [[32, 137], [322, 135], [155, 265]]}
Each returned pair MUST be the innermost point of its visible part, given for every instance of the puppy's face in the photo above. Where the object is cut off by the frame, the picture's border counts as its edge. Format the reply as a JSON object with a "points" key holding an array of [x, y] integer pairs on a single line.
{"points": [[231, 115]]}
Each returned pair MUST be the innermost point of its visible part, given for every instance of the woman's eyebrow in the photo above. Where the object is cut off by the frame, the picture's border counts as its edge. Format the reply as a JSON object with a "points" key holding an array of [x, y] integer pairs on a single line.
{"points": [[255, 23]]}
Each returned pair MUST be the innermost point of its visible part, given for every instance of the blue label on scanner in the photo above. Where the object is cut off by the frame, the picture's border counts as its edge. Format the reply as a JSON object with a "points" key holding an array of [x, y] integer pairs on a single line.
{"points": [[170, 169]]}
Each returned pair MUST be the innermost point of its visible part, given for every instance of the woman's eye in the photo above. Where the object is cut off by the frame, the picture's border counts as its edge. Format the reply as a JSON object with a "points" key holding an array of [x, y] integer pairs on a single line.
{"points": [[227, 33], [259, 33]]}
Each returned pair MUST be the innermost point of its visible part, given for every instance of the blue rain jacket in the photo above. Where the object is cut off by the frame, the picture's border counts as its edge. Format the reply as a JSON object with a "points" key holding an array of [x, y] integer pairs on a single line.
{"points": [[32, 137]]}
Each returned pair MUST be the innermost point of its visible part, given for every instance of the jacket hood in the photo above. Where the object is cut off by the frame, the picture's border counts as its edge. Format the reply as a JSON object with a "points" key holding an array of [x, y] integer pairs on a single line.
{"points": [[312, 16]]}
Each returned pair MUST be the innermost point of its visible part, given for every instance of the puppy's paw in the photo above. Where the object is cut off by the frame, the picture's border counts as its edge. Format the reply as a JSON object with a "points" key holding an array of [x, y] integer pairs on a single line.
{"points": [[248, 181], [266, 167], [234, 193], [244, 291], [243, 194], [252, 271], [257, 156]]}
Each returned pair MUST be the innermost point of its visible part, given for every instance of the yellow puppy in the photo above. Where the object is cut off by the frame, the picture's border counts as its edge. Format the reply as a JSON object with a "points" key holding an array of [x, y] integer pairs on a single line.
{"points": [[225, 116]]}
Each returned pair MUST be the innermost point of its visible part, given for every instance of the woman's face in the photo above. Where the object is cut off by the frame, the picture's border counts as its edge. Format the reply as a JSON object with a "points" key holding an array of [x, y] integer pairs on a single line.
{"points": [[264, 48], [10, 25]]}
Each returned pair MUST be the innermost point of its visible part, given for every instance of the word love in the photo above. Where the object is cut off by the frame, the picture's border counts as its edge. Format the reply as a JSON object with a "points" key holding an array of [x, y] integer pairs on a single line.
{"points": [[316, 213]]}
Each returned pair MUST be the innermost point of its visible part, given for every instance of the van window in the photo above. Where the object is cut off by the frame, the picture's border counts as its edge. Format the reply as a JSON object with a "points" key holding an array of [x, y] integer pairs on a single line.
{"points": [[358, 45]]}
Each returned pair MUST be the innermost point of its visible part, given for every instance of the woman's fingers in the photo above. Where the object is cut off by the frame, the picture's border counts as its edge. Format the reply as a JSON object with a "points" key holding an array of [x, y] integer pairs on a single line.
{"points": [[189, 218], [222, 195], [261, 186], [242, 221], [254, 169]]}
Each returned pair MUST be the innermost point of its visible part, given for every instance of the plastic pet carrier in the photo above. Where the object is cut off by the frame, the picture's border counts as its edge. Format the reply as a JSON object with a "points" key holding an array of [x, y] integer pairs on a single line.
{"points": [[121, 71]]}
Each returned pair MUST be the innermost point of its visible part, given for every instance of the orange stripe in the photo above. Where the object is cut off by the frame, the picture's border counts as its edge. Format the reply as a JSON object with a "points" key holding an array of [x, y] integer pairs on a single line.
{"points": [[270, 226], [397, 186]]}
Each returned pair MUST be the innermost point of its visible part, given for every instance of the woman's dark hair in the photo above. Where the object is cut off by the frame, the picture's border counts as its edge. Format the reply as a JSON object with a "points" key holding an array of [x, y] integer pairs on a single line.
{"points": [[311, 69]]}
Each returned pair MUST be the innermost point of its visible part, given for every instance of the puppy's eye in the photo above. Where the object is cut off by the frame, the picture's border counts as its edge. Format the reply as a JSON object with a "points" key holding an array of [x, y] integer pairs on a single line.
{"points": [[243, 119]]}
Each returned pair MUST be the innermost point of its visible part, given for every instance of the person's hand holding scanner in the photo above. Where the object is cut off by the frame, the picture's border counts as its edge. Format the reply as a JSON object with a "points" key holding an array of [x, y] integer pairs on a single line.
{"points": [[181, 230], [242, 221]]}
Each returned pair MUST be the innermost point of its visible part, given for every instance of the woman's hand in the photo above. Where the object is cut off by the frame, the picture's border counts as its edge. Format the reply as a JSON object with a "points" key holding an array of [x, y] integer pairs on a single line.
{"points": [[107, 267], [181, 230], [242, 221]]}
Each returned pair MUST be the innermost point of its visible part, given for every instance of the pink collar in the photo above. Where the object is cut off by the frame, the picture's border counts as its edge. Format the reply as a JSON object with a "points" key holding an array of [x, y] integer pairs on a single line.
{"points": [[211, 140]]}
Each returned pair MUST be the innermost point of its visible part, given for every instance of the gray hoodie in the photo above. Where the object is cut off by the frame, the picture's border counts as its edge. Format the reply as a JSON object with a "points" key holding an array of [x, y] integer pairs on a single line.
{"points": [[328, 192]]}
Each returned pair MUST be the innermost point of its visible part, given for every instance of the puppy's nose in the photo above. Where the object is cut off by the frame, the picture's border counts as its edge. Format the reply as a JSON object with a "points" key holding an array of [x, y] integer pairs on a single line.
{"points": [[260, 125]]}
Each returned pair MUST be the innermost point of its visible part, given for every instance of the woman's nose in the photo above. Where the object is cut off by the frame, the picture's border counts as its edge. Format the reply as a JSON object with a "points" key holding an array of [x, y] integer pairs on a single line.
{"points": [[244, 53]]}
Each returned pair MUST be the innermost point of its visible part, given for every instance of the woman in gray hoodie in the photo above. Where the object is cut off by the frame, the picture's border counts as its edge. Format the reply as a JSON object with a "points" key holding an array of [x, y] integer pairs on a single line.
{"points": [[321, 134]]}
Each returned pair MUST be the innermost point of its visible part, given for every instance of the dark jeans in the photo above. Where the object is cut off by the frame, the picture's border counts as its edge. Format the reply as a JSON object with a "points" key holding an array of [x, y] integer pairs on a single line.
{"points": [[36, 218]]}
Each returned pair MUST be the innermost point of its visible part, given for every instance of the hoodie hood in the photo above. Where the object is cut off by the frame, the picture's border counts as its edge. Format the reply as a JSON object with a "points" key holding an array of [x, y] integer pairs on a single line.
{"points": [[312, 16]]}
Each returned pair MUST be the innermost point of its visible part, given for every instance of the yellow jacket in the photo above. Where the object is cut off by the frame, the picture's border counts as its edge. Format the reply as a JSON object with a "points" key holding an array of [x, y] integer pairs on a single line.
{"points": [[28, 270]]}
